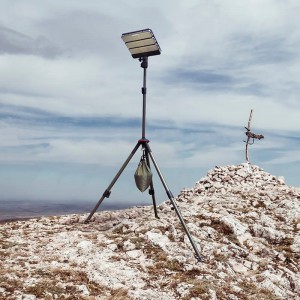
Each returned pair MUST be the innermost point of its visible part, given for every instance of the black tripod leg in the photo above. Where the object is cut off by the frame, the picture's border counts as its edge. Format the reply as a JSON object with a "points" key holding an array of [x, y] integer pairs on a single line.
{"points": [[171, 197], [151, 190], [107, 191]]}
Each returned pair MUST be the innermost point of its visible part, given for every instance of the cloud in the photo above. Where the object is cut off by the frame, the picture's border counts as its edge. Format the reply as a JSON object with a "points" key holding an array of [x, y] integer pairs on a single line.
{"points": [[71, 93], [13, 42], [203, 79]]}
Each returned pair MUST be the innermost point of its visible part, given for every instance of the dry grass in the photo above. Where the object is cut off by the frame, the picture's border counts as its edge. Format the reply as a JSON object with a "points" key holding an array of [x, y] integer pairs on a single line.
{"points": [[44, 287], [243, 290], [119, 294], [221, 227], [162, 267], [62, 282], [138, 241], [200, 290], [220, 256], [258, 293]]}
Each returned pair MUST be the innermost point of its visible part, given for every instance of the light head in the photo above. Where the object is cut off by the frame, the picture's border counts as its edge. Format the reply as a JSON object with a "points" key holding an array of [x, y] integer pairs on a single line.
{"points": [[141, 43]]}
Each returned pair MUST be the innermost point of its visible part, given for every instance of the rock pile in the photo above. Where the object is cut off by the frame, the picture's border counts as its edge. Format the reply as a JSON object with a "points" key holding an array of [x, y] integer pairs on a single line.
{"points": [[244, 180], [245, 222]]}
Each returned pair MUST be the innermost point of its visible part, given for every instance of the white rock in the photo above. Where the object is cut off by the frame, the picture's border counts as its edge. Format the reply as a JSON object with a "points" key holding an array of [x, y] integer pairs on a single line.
{"points": [[183, 289], [223, 191], [295, 247], [158, 239], [85, 245], [28, 297], [270, 234], [281, 180], [83, 289], [237, 267], [212, 294], [242, 173], [237, 227], [269, 285], [248, 264], [135, 253], [112, 247], [267, 221], [128, 245], [217, 185]]}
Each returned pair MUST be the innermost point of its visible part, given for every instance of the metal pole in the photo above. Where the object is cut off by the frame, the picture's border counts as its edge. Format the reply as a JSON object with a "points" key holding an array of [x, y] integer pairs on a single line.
{"points": [[151, 189], [107, 192], [144, 65], [171, 197]]}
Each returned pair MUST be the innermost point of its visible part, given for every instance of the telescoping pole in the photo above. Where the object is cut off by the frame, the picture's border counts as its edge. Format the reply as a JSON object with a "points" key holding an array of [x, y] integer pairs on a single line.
{"points": [[144, 65]]}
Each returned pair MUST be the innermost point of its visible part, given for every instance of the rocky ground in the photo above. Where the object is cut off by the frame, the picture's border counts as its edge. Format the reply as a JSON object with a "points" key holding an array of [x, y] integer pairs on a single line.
{"points": [[244, 221]]}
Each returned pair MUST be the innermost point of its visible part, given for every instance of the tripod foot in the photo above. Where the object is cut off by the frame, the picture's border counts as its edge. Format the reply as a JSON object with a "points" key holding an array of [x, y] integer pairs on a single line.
{"points": [[200, 259]]}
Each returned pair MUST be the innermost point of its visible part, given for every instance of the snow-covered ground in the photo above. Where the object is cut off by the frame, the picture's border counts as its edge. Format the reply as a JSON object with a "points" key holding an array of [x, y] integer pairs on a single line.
{"points": [[244, 221]]}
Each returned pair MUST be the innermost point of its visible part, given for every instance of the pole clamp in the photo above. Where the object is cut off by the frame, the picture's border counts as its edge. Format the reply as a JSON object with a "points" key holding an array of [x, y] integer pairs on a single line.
{"points": [[106, 194]]}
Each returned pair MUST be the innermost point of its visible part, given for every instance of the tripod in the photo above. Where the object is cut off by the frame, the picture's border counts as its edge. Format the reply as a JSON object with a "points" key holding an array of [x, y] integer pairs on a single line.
{"points": [[144, 143]]}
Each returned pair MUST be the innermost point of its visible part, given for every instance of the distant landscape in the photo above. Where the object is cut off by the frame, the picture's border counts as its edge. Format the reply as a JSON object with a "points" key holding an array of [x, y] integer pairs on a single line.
{"points": [[24, 209]]}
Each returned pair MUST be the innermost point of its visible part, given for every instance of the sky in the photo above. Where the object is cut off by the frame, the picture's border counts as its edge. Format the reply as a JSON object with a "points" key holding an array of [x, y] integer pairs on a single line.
{"points": [[71, 102]]}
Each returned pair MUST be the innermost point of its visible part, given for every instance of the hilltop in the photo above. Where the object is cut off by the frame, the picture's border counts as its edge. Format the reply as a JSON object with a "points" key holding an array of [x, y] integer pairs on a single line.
{"points": [[245, 221]]}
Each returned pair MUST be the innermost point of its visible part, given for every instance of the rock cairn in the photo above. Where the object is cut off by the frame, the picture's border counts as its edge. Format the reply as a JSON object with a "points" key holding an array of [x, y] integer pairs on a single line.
{"points": [[246, 180]]}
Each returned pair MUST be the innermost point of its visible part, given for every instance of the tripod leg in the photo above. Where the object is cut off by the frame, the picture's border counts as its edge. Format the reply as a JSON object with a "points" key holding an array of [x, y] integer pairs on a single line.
{"points": [[151, 190], [107, 192], [171, 197]]}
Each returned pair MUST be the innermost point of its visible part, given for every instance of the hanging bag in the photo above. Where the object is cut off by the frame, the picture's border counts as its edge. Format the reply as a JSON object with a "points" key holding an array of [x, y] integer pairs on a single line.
{"points": [[143, 174]]}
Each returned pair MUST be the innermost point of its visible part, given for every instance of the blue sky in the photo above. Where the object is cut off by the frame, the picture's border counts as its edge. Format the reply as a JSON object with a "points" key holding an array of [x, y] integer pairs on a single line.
{"points": [[71, 102]]}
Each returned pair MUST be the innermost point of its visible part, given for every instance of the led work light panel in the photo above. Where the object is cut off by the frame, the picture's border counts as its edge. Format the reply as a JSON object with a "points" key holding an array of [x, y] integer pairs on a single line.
{"points": [[141, 43]]}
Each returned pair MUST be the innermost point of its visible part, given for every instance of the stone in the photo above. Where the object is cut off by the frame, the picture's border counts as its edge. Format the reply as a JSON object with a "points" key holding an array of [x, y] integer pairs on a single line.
{"points": [[28, 297], [128, 245], [218, 185], [235, 225], [112, 247], [270, 234], [83, 289], [295, 247], [134, 253], [183, 289], [242, 173], [237, 267]]}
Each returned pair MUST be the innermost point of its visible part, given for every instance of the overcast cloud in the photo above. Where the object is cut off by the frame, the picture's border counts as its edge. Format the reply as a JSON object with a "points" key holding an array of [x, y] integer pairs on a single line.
{"points": [[71, 102]]}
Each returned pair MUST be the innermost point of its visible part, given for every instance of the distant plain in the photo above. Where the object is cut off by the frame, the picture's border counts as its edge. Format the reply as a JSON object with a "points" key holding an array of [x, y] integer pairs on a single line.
{"points": [[24, 209]]}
